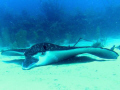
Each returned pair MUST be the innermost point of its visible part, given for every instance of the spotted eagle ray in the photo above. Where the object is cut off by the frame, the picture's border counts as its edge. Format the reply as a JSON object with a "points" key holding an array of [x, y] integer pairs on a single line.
{"points": [[47, 53]]}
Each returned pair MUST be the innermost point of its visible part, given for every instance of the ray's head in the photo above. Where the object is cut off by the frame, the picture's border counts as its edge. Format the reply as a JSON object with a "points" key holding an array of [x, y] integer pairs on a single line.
{"points": [[34, 60], [29, 63]]}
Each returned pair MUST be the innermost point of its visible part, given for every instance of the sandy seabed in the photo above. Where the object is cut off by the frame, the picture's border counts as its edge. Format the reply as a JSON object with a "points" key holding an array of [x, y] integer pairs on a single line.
{"points": [[91, 75]]}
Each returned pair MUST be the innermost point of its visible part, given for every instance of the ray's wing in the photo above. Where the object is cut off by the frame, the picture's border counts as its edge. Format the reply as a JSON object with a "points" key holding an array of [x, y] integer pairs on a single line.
{"points": [[13, 52]]}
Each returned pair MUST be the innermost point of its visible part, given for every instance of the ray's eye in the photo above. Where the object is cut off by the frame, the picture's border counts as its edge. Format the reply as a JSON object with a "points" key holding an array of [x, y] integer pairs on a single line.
{"points": [[44, 47]]}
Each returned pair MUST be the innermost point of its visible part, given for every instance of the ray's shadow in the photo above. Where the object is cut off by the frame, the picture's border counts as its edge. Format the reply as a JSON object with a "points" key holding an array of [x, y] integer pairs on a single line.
{"points": [[15, 61], [82, 59]]}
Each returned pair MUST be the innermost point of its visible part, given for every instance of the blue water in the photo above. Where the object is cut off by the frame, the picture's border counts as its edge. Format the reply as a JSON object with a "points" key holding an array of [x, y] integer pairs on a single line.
{"points": [[25, 22]]}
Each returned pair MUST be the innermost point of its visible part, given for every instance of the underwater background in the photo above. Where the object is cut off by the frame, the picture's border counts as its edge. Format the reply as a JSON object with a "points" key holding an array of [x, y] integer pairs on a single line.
{"points": [[96, 23], [25, 22]]}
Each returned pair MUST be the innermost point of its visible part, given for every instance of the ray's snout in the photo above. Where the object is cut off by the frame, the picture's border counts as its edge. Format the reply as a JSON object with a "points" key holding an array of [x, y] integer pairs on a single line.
{"points": [[29, 63]]}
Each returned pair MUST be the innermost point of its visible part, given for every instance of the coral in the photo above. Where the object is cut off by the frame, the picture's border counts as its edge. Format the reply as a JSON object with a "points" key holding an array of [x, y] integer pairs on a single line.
{"points": [[0, 42], [98, 44], [98, 33], [5, 37], [21, 39], [54, 22], [14, 45]]}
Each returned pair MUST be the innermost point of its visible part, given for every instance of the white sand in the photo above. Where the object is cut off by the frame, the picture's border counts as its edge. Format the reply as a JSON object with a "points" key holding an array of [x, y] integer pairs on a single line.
{"points": [[79, 76]]}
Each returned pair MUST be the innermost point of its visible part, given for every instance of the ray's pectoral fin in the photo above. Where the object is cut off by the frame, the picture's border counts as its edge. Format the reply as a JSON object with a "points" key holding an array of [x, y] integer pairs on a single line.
{"points": [[55, 56], [103, 53], [13, 52]]}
